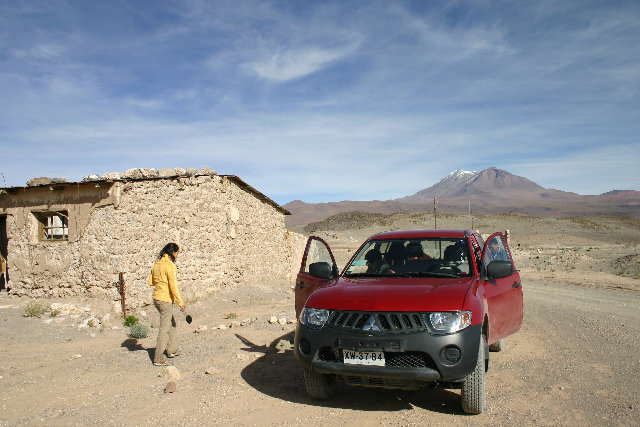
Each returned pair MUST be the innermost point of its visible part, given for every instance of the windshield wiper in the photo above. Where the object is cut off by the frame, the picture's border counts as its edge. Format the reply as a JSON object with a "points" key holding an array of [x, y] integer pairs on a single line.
{"points": [[377, 275], [429, 273]]}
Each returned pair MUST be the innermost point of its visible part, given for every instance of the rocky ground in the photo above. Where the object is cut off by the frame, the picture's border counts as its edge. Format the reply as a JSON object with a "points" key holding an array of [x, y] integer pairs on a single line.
{"points": [[575, 361]]}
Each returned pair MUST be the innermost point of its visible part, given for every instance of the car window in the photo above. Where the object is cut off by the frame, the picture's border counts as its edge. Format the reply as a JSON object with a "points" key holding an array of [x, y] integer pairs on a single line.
{"points": [[318, 252], [496, 250]]}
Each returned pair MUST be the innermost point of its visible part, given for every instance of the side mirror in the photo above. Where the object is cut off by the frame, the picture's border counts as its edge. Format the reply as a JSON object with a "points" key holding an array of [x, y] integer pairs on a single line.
{"points": [[499, 269], [321, 270]]}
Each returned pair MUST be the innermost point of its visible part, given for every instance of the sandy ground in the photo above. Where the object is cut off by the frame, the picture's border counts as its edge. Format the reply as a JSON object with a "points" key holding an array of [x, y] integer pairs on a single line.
{"points": [[575, 362]]}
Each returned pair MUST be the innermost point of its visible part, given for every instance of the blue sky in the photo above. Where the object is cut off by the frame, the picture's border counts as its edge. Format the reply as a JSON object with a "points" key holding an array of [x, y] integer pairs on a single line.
{"points": [[323, 100]]}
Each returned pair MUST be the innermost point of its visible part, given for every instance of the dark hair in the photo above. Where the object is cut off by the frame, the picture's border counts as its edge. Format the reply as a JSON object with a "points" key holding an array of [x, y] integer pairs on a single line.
{"points": [[169, 249]]}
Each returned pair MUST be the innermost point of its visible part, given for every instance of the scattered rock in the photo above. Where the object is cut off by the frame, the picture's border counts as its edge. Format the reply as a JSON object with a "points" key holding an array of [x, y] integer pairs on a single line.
{"points": [[283, 345], [38, 181], [191, 171], [170, 373], [167, 172], [206, 171], [44, 181], [201, 328], [222, 326], [92, 322], [93, 177], [242, 356], [171, 387], [76, 356], [282, 321], [132, 173], [273, 319], [113, 175], [213, 371]]}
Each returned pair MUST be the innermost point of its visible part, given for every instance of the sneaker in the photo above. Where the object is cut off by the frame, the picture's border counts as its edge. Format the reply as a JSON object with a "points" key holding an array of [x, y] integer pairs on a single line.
{"points": [[172, 355]]}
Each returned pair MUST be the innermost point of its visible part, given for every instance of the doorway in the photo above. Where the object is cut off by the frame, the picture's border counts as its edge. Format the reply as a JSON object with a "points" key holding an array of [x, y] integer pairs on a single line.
{"points": [[4, 278]]}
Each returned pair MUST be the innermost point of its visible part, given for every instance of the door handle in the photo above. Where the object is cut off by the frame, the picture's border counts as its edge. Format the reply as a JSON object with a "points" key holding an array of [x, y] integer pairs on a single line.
{"points": [[516, 285], [302, 285]]}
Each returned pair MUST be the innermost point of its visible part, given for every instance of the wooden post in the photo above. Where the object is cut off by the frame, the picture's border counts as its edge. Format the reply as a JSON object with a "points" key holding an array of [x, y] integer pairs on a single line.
{"points": [[435, 214], [124, 309]]}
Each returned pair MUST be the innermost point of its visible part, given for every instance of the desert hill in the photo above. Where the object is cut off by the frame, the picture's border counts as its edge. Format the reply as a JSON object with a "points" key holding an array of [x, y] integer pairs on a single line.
{"points": [[491, 191]]}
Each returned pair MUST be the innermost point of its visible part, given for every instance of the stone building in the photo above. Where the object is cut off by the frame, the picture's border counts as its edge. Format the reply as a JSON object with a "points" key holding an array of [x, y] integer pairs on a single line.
{"points": [[75, 238]]}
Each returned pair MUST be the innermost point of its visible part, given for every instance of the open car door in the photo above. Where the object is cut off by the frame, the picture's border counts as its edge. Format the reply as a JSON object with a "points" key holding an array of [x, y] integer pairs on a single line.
{"points": [[317, 268], [502, 288]]}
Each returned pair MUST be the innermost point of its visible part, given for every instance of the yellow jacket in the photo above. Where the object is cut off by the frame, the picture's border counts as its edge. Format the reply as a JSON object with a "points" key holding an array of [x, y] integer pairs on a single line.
{"points": [[164, 278]]}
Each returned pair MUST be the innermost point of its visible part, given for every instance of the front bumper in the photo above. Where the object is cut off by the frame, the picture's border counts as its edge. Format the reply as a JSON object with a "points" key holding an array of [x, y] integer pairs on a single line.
{"points": [[408, 356]]}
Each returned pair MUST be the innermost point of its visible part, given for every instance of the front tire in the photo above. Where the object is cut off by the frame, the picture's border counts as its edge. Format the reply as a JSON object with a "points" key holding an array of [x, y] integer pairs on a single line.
{"points": [[473, 387], [319, 386]]}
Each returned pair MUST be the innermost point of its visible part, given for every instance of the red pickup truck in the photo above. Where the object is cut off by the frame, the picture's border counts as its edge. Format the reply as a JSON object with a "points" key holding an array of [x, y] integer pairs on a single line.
{"points": [[411, 309]]}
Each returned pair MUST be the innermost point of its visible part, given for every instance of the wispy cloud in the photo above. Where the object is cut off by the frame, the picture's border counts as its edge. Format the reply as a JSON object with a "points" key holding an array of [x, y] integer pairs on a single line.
{"points": [[294, 64]]}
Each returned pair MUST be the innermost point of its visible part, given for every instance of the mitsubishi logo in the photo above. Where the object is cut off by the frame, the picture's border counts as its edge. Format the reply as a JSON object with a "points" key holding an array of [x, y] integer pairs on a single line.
{"points": [[371, 325]]}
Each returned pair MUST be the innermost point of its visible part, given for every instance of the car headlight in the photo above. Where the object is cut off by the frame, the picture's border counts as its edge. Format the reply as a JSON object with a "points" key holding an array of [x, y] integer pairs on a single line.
{"points": [[314, 317], [448, 322]]}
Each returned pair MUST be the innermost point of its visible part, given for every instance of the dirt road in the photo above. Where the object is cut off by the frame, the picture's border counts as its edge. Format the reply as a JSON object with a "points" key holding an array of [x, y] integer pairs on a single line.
{"points": [[576, 362]]}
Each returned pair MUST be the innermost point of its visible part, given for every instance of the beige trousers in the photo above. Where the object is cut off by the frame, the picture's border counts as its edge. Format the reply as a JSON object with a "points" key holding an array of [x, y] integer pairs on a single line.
{"points": [[168, 334]]}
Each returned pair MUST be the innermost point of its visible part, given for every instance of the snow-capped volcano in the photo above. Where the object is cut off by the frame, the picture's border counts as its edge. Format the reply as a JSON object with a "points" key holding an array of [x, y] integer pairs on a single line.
{"points": [[490, 182]]}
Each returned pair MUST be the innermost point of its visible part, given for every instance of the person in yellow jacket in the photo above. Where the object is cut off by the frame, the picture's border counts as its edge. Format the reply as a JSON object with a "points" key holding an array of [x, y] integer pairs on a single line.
{"points": [[164, 278]]}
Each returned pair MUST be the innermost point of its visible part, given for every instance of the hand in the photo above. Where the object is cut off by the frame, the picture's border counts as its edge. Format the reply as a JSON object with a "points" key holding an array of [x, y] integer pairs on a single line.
{"points": [[183, 307]]}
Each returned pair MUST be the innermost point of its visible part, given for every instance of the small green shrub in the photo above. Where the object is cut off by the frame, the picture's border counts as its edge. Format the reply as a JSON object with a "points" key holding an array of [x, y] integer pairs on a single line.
{"points": [[130, 320], [231, 316], [34, 309], [138, 330], [54, 313]]}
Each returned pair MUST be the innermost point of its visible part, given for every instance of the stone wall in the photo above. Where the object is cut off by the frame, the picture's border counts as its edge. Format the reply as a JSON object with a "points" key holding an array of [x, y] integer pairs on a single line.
{"points": [[227, 235]]}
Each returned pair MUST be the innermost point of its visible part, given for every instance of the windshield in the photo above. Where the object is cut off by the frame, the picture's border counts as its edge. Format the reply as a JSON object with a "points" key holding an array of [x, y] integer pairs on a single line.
{"points": [[411, 258]]}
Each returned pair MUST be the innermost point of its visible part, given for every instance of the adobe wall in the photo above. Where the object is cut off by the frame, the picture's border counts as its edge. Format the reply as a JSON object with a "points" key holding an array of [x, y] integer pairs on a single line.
{"points": [[227, 237]]}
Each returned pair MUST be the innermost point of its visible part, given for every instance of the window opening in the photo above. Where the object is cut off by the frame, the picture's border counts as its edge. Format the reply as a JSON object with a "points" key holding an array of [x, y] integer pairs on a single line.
{"points": [[53, 226]]}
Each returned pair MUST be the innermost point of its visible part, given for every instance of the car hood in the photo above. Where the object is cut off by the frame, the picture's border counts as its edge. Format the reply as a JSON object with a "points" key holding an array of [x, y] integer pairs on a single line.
{"points": [[392, 294]]}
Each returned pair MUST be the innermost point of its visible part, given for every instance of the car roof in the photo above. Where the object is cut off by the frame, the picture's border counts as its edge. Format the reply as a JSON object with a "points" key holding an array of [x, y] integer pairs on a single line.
{"points": [[414, 234]]}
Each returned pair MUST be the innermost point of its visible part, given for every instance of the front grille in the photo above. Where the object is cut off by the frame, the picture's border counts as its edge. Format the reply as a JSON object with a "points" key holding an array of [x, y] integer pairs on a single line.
{"points": [[409, 359], [402, 359], [372, 323], [330, 354]]}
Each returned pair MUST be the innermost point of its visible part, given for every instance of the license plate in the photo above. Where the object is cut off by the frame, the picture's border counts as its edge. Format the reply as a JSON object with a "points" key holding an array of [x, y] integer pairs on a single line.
{"points": [[372, 358]]}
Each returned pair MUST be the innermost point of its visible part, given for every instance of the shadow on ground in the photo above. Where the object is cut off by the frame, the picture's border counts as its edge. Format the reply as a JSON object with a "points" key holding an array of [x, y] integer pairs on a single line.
{"points": [[279, 375], [132, 344]]}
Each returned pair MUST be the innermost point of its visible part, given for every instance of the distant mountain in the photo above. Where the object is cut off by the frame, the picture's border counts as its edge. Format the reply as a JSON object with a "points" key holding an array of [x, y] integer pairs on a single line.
{"points": [[491, 182], [491, 191]]}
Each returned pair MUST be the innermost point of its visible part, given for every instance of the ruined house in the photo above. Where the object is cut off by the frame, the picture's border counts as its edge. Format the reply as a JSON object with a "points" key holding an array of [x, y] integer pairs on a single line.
{"points": [[65, 239]]}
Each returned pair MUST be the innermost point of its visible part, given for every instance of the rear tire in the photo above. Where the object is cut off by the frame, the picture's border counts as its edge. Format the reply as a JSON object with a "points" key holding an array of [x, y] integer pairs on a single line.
{"points": [[497, 346], [319, 386], [473, 393]]}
